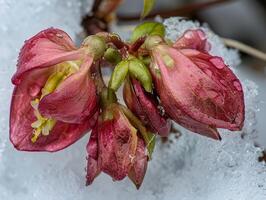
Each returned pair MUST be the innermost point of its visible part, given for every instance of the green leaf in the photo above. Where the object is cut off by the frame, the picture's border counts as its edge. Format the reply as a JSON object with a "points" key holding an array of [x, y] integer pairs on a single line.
{"points": [[148, 29], [147, 7], [119, 74], [139, 71]]}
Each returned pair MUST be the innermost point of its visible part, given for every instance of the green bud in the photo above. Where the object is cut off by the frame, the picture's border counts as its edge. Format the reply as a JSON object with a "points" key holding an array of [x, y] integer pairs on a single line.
{"points": [[148, 29], [119, 74], [112, 55], [139, 71], [94, 45]]}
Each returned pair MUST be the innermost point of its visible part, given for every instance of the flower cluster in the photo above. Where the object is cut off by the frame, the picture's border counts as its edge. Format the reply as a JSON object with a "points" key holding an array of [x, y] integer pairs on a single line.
{"points": [[60, 95]]}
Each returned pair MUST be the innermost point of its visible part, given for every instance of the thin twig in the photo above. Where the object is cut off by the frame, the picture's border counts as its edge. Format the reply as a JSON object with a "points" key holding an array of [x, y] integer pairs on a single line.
{"points": [[180, 11], [245, 48]]}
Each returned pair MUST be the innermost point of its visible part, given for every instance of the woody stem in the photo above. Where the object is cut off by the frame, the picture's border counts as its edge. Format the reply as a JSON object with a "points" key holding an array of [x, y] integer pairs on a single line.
{"points": [[245, 48]]}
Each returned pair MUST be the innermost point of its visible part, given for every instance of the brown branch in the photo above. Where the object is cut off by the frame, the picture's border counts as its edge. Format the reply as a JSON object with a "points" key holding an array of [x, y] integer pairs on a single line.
{"points": [[180, 11], [245, 48]]}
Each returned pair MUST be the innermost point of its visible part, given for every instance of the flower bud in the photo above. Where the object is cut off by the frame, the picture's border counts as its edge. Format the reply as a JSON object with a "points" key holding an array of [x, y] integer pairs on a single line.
{"points": [[145, 106], [94, 46], [117, 140], [112, 56], [197, 90]]}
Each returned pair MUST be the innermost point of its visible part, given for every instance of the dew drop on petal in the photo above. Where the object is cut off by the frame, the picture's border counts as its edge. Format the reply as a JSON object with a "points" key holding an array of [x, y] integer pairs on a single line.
{"points": [[237, 85], [188, 35], [34, 90], [217, 62], [59, 35], [202, 35]]}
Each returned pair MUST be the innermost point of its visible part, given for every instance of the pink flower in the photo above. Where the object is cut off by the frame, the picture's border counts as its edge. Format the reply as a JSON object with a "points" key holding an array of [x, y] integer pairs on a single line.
{"points": [[54, 97], [115, 148], [197, 90], [145, 106]]}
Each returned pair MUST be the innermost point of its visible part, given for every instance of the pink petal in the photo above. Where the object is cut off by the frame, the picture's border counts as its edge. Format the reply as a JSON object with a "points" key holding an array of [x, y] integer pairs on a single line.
{"points": [[146, 108], [179, 116], [191, 96], [117, 145], [138, 171], [93, 167], [75, 98], [21, 117], [232, 109], [202, 96], [45, 49], [193, 39]]}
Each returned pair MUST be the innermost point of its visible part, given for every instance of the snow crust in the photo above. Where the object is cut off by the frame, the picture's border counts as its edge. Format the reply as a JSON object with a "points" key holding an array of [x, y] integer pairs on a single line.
{"points": [[189, 168]]}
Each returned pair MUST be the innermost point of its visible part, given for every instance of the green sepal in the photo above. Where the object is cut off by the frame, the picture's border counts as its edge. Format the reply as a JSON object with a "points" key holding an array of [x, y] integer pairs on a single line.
{"points": [[139, 71], [119, 74]]}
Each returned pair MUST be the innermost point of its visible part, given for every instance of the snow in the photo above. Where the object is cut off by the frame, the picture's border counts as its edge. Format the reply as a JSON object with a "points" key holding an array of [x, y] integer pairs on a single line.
{"points": [[191, 167]]}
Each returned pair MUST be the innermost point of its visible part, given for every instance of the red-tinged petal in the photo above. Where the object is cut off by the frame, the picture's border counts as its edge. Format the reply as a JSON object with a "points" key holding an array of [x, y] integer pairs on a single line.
{"points": [[193, 39], [117, 145], [180, 117], [194, 94], [146, 108], [233, 108], [75, 98], [45, 49], [93, 167], [21, 118], [138, 171], [198, 94]]}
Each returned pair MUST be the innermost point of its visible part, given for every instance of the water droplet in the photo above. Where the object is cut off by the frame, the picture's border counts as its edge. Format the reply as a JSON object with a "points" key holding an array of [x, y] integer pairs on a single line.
{"points": [[34, 90], [188, 35], [237, 85], [201, 34], [59, 35], [161, 110], [217, 62]]}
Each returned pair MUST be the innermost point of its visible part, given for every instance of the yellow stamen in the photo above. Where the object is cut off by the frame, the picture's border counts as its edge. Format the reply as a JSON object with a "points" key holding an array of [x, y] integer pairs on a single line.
{"points": [[44, 125], [36, 134]]}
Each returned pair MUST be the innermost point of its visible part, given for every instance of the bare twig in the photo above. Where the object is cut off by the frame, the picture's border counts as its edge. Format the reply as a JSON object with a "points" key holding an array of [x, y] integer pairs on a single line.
{"points": [[245, 48], [180, 11]]}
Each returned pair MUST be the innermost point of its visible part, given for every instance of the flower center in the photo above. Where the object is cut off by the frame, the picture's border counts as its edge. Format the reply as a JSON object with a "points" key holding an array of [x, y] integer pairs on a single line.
{"points": [[43, 125]]}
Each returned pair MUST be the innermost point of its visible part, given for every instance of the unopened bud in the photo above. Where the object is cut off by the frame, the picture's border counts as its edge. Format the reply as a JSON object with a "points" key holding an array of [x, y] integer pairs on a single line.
{"points": [[94, 45], [112, 55]]}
